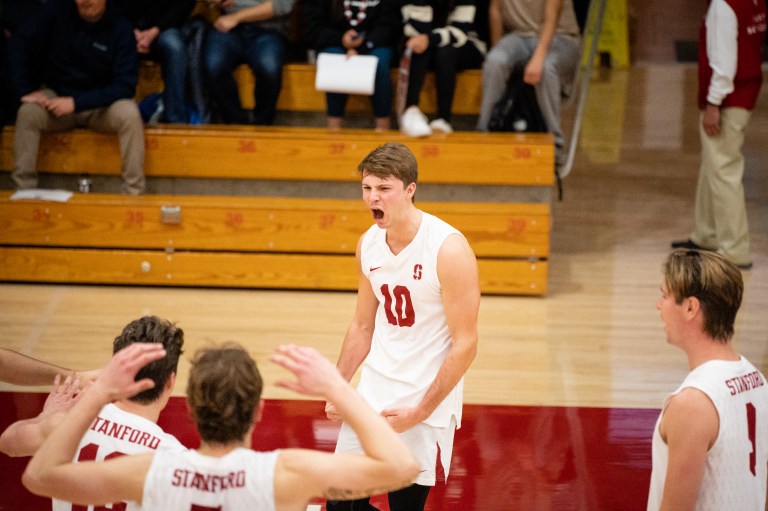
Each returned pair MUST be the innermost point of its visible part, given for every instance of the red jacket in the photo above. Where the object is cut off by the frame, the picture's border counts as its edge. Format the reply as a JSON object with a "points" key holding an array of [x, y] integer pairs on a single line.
{"points": [[751, 19]]}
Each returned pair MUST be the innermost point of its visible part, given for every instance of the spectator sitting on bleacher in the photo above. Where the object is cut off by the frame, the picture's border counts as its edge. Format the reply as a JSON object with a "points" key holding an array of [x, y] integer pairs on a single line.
{"points": [[87, 54], [542, 35], [441, 35], [12, 14], [366, 27], [254, 32], [157, 27]]}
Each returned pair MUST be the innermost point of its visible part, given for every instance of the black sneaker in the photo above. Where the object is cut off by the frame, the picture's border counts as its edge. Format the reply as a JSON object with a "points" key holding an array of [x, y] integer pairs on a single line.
{"points": [[687, 244]]}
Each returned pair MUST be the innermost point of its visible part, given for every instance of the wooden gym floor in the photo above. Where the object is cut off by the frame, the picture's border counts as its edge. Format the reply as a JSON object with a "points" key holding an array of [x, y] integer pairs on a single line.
{"points": [[563, 395]]}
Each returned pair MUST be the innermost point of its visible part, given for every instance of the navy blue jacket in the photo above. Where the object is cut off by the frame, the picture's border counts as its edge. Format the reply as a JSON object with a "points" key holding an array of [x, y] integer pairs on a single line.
{"points": [[95, 63]]}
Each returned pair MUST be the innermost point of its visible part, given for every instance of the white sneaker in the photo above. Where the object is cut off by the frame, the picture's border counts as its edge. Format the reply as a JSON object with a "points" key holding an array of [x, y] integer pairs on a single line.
{"points": [[441, 126], [414, 123]]}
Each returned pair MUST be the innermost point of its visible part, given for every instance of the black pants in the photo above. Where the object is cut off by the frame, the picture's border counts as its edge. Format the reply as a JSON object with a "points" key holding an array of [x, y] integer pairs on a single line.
{"points": [[446, 61], [411, 498]]}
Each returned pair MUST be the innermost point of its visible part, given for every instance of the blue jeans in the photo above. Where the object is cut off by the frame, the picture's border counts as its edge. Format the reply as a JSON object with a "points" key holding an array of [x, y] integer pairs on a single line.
{"points": [[172, 52], [382, 85], [264, 52]]}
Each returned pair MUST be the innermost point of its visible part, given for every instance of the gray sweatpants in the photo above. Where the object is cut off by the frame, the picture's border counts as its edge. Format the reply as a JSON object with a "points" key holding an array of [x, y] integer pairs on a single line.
{"points": [[559, 70]]}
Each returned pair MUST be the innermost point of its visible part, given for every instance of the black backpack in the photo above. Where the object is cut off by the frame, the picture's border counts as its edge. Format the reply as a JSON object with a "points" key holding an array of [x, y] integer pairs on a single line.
{"points": [[517, 110]]}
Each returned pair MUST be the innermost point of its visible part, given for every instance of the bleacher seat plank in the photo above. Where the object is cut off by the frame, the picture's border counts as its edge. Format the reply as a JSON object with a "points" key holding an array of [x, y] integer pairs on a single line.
{"points": [[292, 153], [495, 230], [262, 242], [216, 269], [203, 269], [299, 94]]}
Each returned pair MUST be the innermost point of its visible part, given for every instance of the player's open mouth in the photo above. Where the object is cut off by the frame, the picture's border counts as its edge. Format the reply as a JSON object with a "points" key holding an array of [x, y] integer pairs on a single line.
{"points": [[377, 213]]}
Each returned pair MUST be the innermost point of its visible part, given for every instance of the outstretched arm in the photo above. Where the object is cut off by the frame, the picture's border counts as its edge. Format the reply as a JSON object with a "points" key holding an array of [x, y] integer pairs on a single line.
{"points": [[20, 369], [51, 471], [301, 474]]}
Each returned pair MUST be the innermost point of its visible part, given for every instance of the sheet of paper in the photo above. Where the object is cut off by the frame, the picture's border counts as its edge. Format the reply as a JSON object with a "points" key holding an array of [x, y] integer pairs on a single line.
{"points": [[42, 194], [347, 75]]}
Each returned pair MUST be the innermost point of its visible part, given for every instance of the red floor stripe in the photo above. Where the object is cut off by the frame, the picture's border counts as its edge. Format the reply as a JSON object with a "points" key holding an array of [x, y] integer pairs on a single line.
{"points": [[506, 458]]}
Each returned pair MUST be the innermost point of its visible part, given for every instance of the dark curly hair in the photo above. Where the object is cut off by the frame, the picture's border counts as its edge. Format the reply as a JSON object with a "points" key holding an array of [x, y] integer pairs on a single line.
{"points": [[153, 329]]}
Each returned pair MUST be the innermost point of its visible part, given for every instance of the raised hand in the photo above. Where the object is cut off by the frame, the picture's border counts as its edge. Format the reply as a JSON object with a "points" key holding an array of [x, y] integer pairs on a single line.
{"points": [[62, 396], [315, 374], [117, 379]]}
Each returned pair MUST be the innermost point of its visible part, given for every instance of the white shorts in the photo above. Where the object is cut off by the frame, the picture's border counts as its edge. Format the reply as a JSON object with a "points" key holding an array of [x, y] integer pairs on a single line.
{"points": [[423, 441]]}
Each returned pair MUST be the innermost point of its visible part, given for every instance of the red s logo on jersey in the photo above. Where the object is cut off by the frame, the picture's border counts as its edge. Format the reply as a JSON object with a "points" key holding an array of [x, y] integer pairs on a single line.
{"points": [[416, 272]]}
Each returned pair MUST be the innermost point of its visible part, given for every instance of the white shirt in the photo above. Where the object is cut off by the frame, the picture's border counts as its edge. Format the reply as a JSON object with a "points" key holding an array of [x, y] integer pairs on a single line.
{"points": [[722, 49]]}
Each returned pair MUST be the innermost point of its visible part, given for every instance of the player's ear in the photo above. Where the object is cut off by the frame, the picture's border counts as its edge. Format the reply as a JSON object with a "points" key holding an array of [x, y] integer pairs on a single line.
{"points": [[171, 382], [692, 306]]}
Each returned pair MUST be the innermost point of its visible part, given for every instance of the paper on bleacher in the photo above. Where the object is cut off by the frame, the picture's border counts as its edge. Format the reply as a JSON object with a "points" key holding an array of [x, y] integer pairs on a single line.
{"points": [[42, 194], [346, 75]]}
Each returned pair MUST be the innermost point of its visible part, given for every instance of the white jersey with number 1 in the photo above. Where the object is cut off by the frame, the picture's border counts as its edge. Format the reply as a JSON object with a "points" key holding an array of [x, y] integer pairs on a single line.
{"points": [[735, 473]]}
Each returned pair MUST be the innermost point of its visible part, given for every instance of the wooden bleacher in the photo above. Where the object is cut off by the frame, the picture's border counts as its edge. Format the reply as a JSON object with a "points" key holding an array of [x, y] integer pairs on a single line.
{"points": [[291, 153], [244, 241], [275, 242]]}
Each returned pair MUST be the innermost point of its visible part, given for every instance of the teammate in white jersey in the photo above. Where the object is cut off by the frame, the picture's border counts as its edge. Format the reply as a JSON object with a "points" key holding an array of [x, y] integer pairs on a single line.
{"points": [[224, 397], [710, 444], [414, 329], [128, 426]]}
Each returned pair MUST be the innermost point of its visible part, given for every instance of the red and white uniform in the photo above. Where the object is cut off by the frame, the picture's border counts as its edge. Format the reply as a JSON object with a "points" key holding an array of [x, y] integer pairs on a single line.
{"points": [[242, 479], [731, 40], [735, 474], [411, 339], [114, 433]]}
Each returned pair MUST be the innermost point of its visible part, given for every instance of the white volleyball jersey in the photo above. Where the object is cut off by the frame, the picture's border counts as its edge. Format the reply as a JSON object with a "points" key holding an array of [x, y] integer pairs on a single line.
{"points": [[116, 432], [242, 479], [411, 337], [735, 474]]}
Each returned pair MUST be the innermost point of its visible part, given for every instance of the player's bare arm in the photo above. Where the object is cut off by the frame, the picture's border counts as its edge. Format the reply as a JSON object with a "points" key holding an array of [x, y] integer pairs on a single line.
{"points": [[688, 441], [357, 341], [20, 369], [51, 471], [302, 474], [459, 281], [24, 437]]}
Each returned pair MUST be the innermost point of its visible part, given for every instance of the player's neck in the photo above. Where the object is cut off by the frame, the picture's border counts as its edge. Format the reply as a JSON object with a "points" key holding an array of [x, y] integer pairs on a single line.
{"points": [[711, 350], [150, 411], [220, 450], [401, 233]]}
